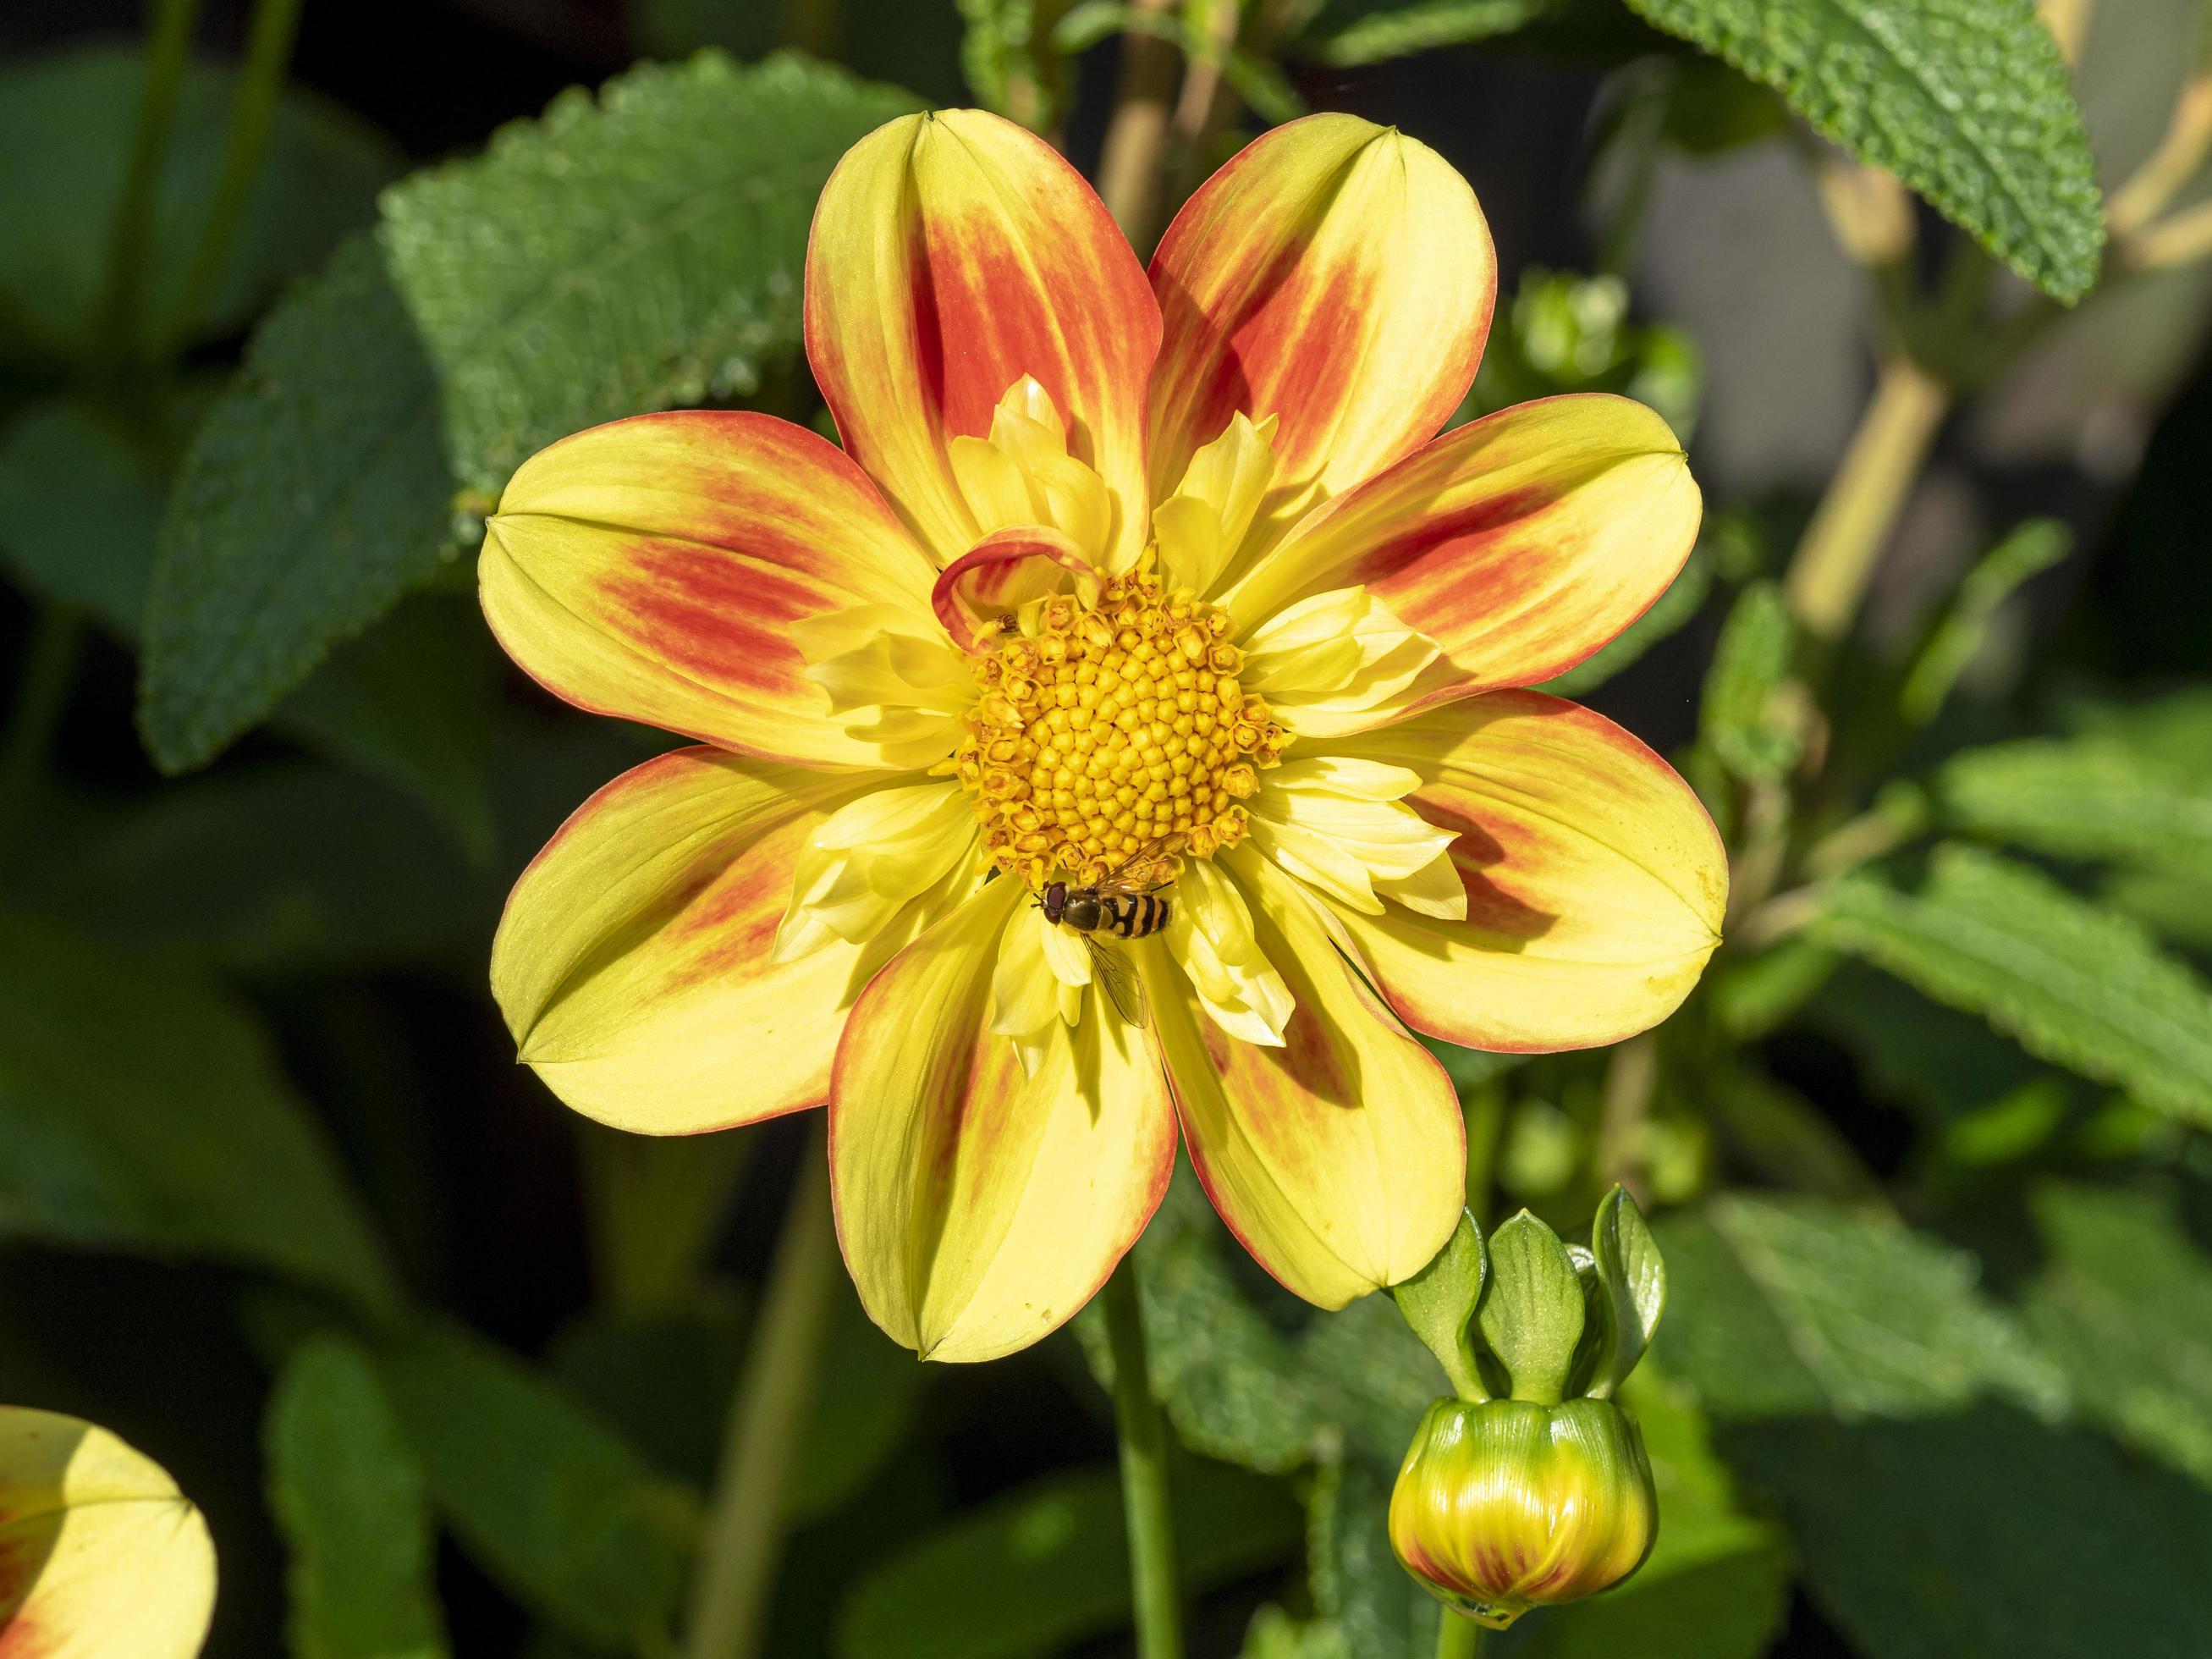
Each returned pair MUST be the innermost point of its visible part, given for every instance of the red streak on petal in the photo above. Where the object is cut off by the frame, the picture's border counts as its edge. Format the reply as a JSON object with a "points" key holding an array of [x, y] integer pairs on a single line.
{"points": [[1000, 547]]}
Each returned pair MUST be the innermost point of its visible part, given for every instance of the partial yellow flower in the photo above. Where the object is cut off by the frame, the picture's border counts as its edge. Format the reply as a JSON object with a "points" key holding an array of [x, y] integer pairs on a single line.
{"points": [[1107, 563], [101, 1556]]}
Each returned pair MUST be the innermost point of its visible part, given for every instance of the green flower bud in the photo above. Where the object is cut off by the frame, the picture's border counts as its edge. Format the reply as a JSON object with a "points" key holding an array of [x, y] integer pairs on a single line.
{"points": [[1506, 1505]]}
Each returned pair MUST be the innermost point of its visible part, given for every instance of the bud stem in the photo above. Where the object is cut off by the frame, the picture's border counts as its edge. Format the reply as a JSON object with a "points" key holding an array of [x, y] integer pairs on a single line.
{"points": [[1145, 1503], [744, 1535], [1458, 1637]]}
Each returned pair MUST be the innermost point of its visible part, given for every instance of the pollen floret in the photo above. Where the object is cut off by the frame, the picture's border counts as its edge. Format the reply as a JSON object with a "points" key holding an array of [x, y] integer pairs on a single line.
{"points": [[1103, 726]]}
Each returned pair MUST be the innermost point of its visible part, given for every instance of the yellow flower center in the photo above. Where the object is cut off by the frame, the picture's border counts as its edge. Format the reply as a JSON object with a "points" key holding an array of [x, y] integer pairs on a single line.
{"points": [[1103, 725]]}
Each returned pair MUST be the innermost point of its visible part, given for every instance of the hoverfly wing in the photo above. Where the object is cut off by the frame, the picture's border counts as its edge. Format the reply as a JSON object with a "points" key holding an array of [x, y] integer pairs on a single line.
{"points": [[1113, 971], [1153, 865]]}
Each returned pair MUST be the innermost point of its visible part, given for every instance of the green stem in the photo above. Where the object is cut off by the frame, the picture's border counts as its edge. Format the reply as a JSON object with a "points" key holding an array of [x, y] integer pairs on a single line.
{"points": [[1146, 1506], [42, 695], [1485, 1111], [1458, 1637], [130, 249], [268, 55], [655, 1206], [744, 1535], [1829, 572]]}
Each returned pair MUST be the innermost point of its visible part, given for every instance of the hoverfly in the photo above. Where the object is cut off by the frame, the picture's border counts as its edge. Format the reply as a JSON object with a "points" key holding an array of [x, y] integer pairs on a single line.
{"points": [[1124, 903]]}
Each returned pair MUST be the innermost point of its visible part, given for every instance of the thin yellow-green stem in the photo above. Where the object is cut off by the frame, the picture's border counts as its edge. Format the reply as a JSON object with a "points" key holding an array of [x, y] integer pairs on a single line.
{"points": [[2180, 240], [1458, 1637], [1146, 1509], [1835, 562], [1632, 1078], [1485, 1112], [2180, 154], [130, 248], [653, 1205], [261, 83], [744, 1535], [1130, 168]]}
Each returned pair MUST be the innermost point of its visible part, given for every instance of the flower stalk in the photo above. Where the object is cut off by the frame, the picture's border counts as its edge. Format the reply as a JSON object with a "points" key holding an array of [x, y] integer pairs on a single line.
{"points": [[744, 1535], [268, 57], [1458, 1637], [1145, 1504], [1835, 562]]}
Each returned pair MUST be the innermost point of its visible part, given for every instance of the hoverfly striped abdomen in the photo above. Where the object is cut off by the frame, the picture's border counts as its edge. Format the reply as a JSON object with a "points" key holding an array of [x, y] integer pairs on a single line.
{"points": [[1135, 916]]}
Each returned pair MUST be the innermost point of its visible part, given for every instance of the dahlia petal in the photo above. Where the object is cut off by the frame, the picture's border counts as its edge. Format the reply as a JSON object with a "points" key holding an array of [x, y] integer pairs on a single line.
{"points": [[654, 569], [1338, 1159], [1337, 823], [952, 255], [1336, 662], [1520, 544], [105, 1555], [1594, 882], [1336, 274], [1210, 935], [1200, 527], [862, 865], [980, 1207], [633, 962]]}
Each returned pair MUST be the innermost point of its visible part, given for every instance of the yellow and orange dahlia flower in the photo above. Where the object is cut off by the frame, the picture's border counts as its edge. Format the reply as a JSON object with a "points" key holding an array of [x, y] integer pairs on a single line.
{"points": [[1106, 556]]}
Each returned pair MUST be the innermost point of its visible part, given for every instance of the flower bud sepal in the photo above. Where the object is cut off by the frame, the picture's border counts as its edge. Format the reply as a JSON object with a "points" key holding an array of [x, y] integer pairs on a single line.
{"points": [[1505, 1505]]}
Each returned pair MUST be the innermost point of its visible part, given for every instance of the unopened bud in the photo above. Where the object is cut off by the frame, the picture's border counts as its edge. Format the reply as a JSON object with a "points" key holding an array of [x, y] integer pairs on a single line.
{"points": [[1508, 1505]]}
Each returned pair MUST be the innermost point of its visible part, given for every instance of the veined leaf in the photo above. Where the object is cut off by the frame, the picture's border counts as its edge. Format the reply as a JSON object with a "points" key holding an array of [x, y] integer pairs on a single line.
{"points": [[1738, 719], [350, 1496], [2084, 799], [2124, 1300], [1785, 1309], [142, 1110], [2074, 984], [629, 253], [1956, 632], [553, 1505], [1349, 32], [1915, 1445], [1968, 101], [1027, 1575]]}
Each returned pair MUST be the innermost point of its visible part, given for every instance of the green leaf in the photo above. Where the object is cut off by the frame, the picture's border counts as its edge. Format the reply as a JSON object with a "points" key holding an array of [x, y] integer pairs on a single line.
{"points": [[2074, 984], [1911, 1438], [1955, 635], [410, 702], [66, 124], [315, 493], [80, 505], [142, 1110], [1739, 719], [1438, 1302], [1532, 1315], [2122, 1300], [1346, 34], [1038, 1569], [665, 224], [1796, 1308], [1376, 1607], [2082, 798], [279, 869], [556, 1507], [350, 1499], [1968, 103], [1634, 1278], [630, 253]]}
